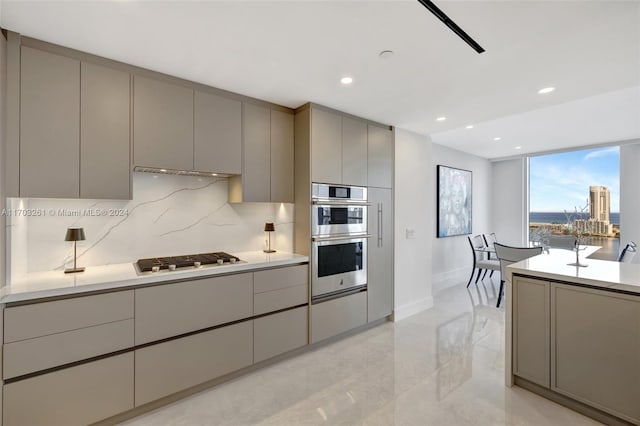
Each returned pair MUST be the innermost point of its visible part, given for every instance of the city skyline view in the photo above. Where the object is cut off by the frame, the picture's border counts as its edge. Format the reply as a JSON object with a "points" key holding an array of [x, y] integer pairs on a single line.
{"points": [[559, 182]]}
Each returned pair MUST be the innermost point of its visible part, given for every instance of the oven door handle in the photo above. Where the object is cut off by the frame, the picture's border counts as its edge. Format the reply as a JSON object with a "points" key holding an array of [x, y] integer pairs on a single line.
{"points": [[339, 203], [340, 237]]}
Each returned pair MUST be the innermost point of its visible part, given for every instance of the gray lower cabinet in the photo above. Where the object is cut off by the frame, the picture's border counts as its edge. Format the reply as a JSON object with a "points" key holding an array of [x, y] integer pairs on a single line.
{"points": [[162, 124], [531, 328], [338, 316], [172, 366], [380, 156], [326, 146], [105, 166], [279, 333], [173, 309], [49, 125], [380, 253], [281, 157], [77, 395], [354, 152], [217, 134], [595, 339]]}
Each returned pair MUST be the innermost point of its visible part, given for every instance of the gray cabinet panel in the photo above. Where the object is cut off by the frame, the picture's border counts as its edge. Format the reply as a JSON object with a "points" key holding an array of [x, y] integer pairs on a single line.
{"points": [[279, 333], [173, 309], [380, 154], [78, 395], [326, 147], [49, 125], [105, 169], [162, 124], [217, 134], [596, 349], [380, 252], [531, 327], [281, 157], [179, 364], [354, 152], [256, 170], [28, 356], [270, 301], [338, 316], [274, 279], [41, 319]]}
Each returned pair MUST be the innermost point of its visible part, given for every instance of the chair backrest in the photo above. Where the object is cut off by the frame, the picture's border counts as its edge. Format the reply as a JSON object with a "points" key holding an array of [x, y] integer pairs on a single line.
{"points": [[508, 255], [476, 243], [627, 253], [490, 240]]}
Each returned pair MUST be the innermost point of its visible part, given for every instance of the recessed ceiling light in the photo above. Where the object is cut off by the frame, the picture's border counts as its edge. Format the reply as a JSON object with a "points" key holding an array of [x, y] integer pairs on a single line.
{"points": [[441, 118], [546, 90], [163, 170], [518, 147], [214, 174], [346, 80], [497, 138], [470, 126]]}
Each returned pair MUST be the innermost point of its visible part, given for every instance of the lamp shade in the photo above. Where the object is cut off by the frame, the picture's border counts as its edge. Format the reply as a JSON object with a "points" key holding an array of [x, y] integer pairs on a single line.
{"points": [[269, 227], [74, 234]]}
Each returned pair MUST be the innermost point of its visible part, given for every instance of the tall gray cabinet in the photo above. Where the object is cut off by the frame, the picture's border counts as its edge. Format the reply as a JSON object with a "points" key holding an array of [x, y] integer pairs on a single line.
{"points": [[380, 254]]}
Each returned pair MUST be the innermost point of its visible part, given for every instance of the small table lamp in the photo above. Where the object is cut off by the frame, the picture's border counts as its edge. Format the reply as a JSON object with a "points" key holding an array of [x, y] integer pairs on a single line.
{"points": [[74, 234], [269, 227]]}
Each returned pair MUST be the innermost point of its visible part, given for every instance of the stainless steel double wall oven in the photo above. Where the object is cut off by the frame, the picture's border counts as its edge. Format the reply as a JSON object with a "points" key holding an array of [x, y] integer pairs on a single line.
{"points": [[339, 240]]}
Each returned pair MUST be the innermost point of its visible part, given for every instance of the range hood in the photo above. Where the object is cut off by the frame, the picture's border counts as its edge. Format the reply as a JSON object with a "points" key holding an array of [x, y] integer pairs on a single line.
{"points": [[157, 170]]}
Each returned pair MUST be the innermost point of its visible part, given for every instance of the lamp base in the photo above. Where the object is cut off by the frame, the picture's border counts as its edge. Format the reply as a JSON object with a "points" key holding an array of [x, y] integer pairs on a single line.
{"points": [[269, 251], [72, 270]]}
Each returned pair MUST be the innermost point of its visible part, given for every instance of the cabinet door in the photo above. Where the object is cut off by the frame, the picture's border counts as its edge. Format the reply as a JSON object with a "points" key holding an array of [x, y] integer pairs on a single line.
{"points": [[354, 152], [380, 252], [77, 395], [338, 316], [281, 157], [217, 134], [105, 169], [380, 170], [531, 328], [279, 333], [49, 125], [256, 170], [326, 147], [596, 349], [162, 124]]}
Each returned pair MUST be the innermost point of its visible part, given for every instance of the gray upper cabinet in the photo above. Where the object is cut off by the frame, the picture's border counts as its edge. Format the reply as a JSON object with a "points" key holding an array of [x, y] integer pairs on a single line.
{"points": [[105, 169], [281, 157], [380, 155], [162, 124], [49, 125], [326, 146], [380, 255], [217, 134], [354, 152]]}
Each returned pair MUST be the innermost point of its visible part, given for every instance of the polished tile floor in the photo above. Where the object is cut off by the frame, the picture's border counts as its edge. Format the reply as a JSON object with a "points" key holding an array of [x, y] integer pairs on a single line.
{"points": [[443, 366]]}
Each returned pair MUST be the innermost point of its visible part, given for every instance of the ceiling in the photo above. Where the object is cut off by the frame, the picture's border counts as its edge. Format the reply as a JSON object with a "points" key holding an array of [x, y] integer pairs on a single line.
{"points": [[291, 52]]}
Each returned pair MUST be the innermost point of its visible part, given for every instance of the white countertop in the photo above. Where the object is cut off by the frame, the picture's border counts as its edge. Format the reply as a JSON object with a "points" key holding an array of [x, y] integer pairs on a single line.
{"points": [[56, 283], [599, 273]]}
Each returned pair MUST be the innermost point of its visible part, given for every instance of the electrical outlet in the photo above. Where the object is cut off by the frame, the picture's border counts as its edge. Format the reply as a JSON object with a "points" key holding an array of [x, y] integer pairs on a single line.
{"points": [[410, 233]]}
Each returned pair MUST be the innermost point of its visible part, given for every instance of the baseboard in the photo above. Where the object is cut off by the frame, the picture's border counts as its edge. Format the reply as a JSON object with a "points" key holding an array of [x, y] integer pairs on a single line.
{"points": [[412, 308], [450, 278]]}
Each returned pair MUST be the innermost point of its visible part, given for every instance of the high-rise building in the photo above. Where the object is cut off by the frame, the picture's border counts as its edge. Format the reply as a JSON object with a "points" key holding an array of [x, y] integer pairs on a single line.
{"points": [[600, 203]]}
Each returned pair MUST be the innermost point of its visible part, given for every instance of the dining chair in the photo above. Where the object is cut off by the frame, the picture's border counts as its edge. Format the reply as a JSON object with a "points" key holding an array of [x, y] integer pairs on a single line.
{"points": [[627, 253], [508, 255], [479, 261], [489, 241]]}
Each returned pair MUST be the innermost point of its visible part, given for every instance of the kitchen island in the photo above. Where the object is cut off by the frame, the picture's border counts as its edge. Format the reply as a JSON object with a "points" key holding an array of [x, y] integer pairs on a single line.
{"points": [[573, 333]]}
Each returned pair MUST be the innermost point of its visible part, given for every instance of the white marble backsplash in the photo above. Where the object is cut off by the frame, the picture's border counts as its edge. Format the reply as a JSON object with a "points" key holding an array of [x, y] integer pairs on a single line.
{"points": [[169, 215]]}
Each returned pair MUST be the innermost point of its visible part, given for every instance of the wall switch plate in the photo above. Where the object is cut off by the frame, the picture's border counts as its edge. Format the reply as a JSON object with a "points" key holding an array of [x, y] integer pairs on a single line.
{"points": [[410, 233]]}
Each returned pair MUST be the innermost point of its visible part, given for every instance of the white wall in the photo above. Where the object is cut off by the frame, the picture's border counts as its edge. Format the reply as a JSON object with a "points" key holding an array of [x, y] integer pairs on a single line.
{"points": [[508, 201], [630, 195], [414, 186], [452, 255]]}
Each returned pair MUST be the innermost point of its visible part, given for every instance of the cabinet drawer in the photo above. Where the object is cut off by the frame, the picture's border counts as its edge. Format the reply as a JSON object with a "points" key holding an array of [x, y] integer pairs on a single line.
{"points": [[179, 364], [74, 396], [280, 299], [279, 333], [28, 356], [42, 319], [274, 279], [338, 316], [173, 309]]}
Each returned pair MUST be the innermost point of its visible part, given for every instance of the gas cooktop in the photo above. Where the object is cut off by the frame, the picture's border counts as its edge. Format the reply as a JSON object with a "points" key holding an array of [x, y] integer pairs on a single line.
{"points": [[156, 264]]}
